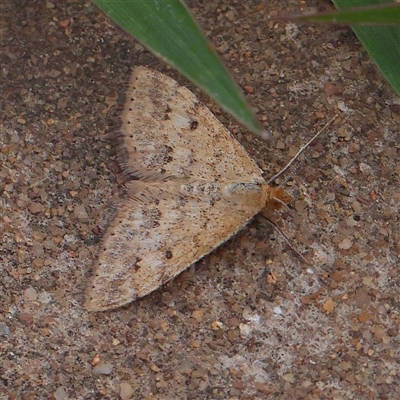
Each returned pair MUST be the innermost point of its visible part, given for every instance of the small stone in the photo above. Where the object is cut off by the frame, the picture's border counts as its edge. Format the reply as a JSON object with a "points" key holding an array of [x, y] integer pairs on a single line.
{"points": [[126, 391], [199, 373], [332, 89], [378, 332], [329, 305], [96, 360], [141, 355], [60, 393], [230, 15], [30, 294], [357, 207], [346, 365], [300, 205], [306, 299], [245, 330], [154, 368], [159, 336], [351, 222], [53, 73], [363, 317], [362, 298], [373, 195], [63, 24], [320, 257], [4, 329], [289, 378], [277, 310], [217, 325], [164, 326], [37, 250], [198, 315], [25, 319], [45, 297], [280, 145], [368, 281], [272, 278], [345, 244], [35, 208], [103, 369], [80, 212], [195, 344], [203, 385]]}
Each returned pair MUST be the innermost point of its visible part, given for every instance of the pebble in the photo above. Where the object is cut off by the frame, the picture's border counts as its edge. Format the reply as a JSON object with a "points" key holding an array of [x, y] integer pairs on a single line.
{"points": [[345, 244], [289, 378], [126, 391], [35, 208], [30, 294], [245, 330], [329, 306], [25, 319], [37, 249], [80, 212], [277, 310], [4, 329], [45, 297], [357, 207], [103, 369], [60, 394]]}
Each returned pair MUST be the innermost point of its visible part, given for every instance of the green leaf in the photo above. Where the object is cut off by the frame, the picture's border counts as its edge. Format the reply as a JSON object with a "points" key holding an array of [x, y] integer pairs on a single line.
{"points": [[382, 43], [167, 29], [385, 14]]}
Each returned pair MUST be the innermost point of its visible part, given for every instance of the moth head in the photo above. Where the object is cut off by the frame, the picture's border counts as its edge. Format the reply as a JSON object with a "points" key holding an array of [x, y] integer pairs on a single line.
{"points": [[276, 198]]}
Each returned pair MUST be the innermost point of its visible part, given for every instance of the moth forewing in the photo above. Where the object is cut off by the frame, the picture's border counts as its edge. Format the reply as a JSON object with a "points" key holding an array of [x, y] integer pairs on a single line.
{"points": [[195, 186]]}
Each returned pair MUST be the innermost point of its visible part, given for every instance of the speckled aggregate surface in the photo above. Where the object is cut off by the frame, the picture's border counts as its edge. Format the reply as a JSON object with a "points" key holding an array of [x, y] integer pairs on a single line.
{"points": [[247, 321]]}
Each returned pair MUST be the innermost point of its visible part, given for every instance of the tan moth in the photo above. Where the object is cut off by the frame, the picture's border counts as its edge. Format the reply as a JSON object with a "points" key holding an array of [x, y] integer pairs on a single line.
{"points": [[192, 187]]}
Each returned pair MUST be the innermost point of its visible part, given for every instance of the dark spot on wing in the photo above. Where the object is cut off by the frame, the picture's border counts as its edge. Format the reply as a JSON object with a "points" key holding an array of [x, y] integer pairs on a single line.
{"points": [[151, 218], [167, 111], [168, 254], [136, 264], [193, 125]]}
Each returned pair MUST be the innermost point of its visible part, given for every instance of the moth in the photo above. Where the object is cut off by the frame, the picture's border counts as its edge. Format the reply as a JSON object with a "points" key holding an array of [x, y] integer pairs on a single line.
{"points": [[191, 187]]}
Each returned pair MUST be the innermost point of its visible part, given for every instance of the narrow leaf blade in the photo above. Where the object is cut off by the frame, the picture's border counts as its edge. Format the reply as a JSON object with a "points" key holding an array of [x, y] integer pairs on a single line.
{"points": [[388, 14], [381, 42], [167, 29]]}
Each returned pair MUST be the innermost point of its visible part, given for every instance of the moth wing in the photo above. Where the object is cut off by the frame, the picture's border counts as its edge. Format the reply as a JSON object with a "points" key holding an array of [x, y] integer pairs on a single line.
{"points": [[167, 131], [147, 245]]}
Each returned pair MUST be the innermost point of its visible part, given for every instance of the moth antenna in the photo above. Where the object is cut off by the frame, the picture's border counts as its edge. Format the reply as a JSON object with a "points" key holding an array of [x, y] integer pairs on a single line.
{"points": [[286, 239], [302, 150], [298, 166]]}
